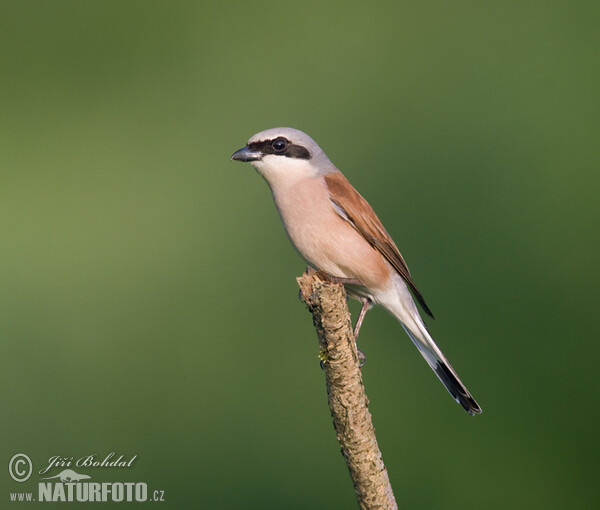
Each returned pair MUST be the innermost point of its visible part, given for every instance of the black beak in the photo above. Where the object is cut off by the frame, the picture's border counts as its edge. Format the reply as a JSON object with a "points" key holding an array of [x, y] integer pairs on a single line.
{"points": [[245, 154]]}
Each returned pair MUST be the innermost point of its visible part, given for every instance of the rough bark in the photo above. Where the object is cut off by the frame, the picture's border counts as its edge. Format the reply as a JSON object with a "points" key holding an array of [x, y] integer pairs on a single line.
{"points": [[348, 402]]}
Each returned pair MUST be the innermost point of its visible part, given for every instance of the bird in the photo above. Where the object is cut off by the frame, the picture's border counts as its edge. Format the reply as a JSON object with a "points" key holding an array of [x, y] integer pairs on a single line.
{"points": [[336, 230]]}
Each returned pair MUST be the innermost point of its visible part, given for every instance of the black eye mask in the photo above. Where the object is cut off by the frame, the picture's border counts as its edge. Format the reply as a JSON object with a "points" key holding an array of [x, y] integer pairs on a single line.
{"points": [[288, 149]]}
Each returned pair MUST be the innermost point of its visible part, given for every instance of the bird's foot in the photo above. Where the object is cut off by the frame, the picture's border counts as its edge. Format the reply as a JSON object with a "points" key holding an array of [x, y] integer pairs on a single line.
{"points": [[336, 279], [362, 358]]}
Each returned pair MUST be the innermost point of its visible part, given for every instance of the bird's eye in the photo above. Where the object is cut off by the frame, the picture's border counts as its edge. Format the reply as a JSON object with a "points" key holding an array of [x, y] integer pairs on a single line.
{"points": [[279, 144]]}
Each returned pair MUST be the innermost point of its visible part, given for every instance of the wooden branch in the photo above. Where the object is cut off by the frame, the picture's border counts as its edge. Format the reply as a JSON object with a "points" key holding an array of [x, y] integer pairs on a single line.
{"points": [[345, 390]]}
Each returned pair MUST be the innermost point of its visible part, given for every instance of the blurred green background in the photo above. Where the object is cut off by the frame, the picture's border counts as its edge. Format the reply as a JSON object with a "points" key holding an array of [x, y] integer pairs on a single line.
{"points": [[148, 303]]}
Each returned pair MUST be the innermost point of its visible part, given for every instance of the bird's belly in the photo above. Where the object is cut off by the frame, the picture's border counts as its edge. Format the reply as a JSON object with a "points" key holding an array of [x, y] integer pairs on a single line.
{"points": [[327, 241]]}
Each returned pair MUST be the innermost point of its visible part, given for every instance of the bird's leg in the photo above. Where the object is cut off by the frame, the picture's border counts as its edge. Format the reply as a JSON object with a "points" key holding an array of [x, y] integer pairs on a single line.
{"points": [[346, 281], [337, 279], [366, 304]]}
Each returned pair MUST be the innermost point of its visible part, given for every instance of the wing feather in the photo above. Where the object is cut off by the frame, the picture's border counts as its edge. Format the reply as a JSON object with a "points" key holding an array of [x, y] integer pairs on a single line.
{"points": [[353, 208]]}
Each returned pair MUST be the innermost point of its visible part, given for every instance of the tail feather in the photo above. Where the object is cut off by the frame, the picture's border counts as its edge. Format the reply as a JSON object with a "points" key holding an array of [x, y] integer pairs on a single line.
{"points": [[456, 388], [399, 302], [443, 369]]}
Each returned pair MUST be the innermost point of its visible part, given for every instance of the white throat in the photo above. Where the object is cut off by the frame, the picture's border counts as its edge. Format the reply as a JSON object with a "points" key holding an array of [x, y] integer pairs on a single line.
{"points": [[280, 171]]}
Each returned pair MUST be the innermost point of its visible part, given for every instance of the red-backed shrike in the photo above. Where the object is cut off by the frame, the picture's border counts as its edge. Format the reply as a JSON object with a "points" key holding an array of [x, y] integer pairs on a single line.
{"points": [[336, 230]]}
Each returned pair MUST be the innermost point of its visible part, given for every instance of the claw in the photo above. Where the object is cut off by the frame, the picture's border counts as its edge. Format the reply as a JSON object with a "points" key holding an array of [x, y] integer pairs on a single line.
{"points": [[362, 358]]}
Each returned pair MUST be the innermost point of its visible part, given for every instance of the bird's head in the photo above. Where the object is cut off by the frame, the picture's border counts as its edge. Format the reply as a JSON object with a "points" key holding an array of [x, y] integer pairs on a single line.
{"points": [[284, 155]]}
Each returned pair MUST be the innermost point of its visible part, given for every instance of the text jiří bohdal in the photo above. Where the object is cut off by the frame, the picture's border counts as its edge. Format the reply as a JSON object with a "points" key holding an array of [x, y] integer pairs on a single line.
{"points": [[93, 460]]}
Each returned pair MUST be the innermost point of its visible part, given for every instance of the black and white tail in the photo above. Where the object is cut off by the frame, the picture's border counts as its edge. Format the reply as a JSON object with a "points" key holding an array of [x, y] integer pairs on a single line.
{"points": [[401, 305], [443, 369]]}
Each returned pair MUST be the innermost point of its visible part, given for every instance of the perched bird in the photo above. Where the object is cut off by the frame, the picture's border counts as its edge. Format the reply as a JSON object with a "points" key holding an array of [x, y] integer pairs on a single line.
{"points": [[335, 229]]}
